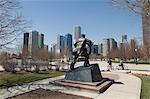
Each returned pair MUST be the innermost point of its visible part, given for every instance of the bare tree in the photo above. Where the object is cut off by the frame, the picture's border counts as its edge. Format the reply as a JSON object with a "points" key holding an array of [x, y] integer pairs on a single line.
{"points": [[114, 53], [146, 50], [42, 54], [11, 23], [138, 6], [4, 56]]}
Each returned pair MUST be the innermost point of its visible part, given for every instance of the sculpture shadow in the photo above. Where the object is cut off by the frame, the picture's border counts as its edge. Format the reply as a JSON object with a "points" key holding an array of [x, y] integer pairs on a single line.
{"points": [[115, 82]]}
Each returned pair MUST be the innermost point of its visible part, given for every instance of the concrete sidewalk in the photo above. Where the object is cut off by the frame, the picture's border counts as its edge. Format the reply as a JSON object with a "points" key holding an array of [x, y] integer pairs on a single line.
{"points": [[126, 87], [140, 67]]}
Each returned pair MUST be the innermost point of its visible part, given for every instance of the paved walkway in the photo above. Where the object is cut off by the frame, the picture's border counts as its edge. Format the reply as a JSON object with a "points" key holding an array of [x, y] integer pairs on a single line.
{"points": [[140, 67], [133, 68], [126, 87]]}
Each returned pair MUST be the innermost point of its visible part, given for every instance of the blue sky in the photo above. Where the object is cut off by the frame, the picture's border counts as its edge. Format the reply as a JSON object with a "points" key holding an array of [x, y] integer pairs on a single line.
{"points": [[97, 18]]}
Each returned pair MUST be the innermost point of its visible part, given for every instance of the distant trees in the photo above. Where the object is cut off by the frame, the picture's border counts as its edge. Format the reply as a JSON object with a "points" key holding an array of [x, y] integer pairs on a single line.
{"points": [[11, 23], [42, 54], [25, 52], [114, 53], [8, 65], [4, 56], [96, 56], [128, 51], [142, 8]]}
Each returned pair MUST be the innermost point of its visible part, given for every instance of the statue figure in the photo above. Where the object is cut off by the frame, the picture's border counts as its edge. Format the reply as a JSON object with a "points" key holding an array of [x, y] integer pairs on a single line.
{"points": [[83, 49]]}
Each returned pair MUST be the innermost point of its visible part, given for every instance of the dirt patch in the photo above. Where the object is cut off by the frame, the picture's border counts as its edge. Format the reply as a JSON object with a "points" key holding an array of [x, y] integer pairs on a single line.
{"points": [[46, 94]]}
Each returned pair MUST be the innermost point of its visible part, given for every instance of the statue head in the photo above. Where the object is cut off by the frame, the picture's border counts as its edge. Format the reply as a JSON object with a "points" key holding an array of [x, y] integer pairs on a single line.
{"points": [[83, 35]]}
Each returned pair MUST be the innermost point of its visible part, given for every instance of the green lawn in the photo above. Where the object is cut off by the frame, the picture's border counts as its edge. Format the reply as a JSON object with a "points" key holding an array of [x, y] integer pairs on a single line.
{"points": [[145, 92], [133, 62], [20, 79]]}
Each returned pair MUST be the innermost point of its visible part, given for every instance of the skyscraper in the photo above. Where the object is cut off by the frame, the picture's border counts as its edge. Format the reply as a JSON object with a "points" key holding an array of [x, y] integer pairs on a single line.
{"points": [[112, 43], [41, 41], [26, 38], [54, 48], [77, 33], [100, 48], [61, 43], [69, 41], [108, 45], [33, 43], [95, 49], [25, 44], [124, 39], [105, 47]]}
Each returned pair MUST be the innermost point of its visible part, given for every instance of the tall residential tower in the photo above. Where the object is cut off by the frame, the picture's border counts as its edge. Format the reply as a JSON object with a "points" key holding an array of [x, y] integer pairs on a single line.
{"points": [[69, 41], [77, 33]]}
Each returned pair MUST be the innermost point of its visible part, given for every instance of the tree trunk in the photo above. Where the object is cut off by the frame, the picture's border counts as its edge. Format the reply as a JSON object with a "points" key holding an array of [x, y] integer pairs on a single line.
{"points": [[146, 34]]}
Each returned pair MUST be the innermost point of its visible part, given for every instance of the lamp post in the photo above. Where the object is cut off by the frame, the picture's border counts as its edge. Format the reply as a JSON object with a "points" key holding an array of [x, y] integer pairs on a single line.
{"points": [[136, 56]]}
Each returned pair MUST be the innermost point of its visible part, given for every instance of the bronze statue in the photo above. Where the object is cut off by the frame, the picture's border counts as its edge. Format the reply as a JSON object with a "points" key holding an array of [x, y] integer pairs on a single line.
{"points": [[83, 49]]}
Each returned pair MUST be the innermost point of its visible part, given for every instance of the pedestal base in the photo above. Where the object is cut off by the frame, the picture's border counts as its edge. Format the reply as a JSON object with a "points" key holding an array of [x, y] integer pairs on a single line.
{"points": [[85, 74], [94, 87], [85, 78]]}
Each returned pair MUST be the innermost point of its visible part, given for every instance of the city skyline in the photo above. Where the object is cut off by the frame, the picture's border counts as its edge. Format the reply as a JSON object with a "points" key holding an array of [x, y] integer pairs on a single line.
{"points": [[33, 42], [98, 19]]}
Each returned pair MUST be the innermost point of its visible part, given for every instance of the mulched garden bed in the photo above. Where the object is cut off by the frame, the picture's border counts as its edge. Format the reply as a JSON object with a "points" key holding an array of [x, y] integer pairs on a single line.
{"points": [[46, 94]]}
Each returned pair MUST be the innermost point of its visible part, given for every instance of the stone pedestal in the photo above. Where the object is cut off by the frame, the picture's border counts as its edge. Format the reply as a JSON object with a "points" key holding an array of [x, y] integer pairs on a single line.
{"points": [[85, 78], [85, 74]]}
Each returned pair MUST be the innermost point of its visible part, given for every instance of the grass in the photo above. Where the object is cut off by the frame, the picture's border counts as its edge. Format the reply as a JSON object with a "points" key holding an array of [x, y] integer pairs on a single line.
{"points": [[20, 79], [145, 91], [132, 62]]}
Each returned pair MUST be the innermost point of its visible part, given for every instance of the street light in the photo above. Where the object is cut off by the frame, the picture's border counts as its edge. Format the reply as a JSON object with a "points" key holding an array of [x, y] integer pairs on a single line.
{"points": [[136, 56]]}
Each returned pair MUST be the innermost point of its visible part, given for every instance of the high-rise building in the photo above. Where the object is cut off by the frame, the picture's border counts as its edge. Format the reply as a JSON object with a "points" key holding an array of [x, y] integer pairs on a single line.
{"points": [[112, 43], [33, 43], [100, 48], [69, 41], [77, 33], [108, 44], [105, 47], [124, 39], [25, 39], [46, 48], [41, 40], [61, 43], [95, 49], [25, 44], [54, 48]]}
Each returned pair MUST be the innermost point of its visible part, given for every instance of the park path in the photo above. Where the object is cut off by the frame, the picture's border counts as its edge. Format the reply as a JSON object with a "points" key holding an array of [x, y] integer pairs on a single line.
{"points": [[126, 87], [132, 68]]}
